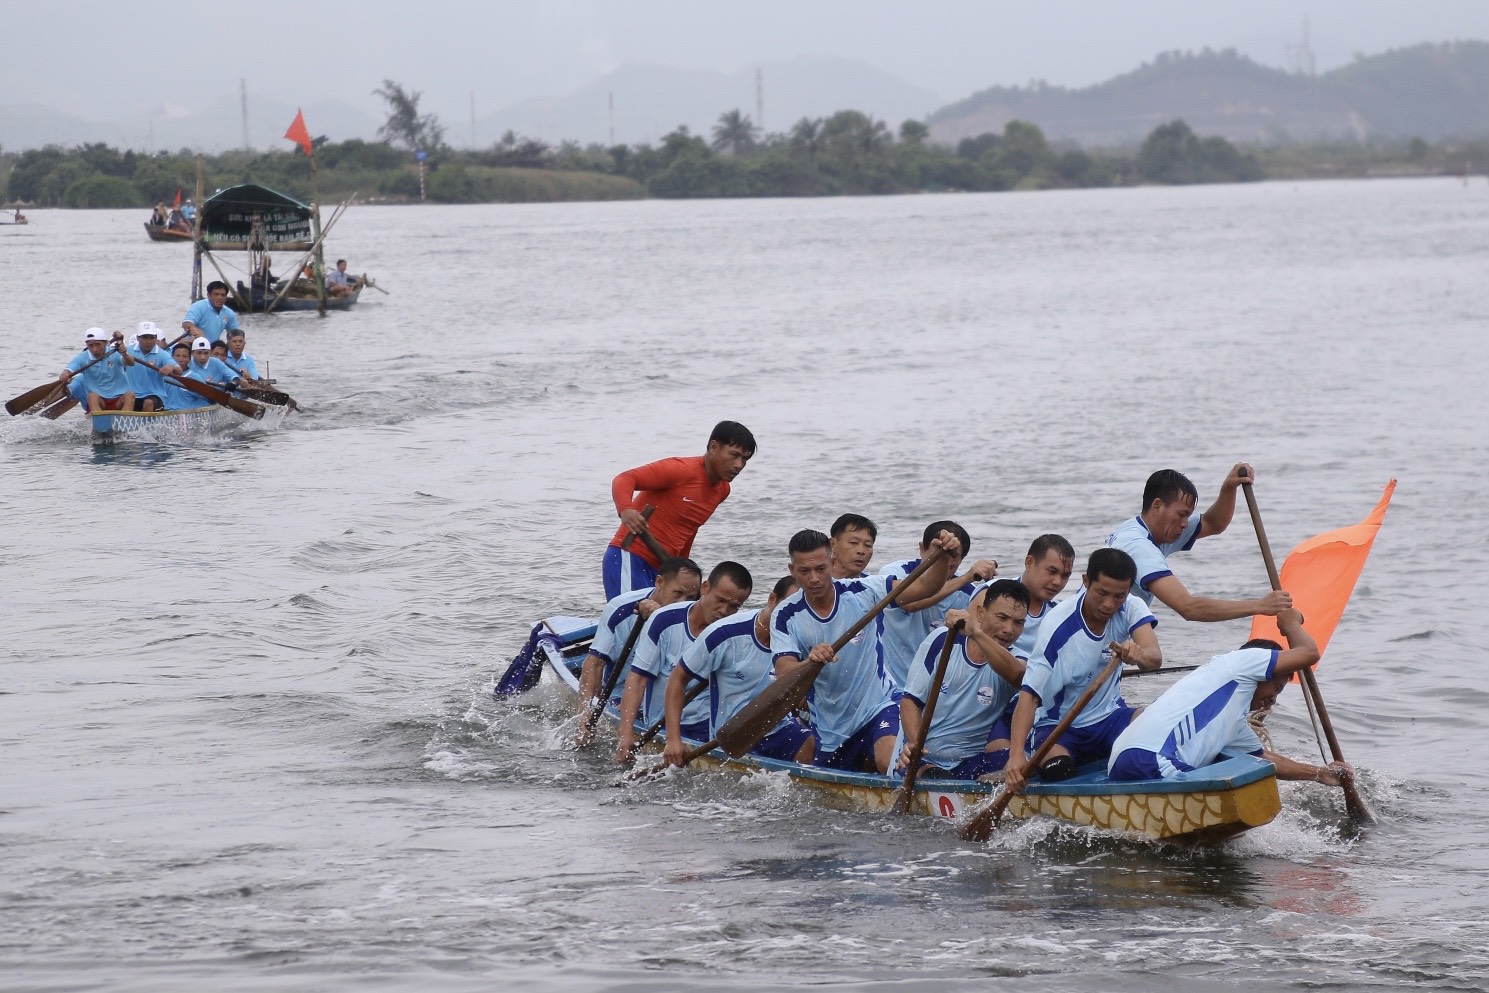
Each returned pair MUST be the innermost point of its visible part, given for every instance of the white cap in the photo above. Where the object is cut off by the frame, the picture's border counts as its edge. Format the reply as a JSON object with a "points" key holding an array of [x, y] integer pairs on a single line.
{"points": [[148, 327], [201, 345], [96, 334]]}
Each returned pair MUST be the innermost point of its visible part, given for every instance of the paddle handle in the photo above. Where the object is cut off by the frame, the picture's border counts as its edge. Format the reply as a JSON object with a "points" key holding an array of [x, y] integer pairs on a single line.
{"points": [[981, 825], [917, 749], [610, 683], [888, 599], [1353, 803], [628, 540]]}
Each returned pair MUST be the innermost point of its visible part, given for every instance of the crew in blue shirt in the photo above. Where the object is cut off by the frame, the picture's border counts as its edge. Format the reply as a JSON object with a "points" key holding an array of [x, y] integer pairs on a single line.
{"points": [[148, 385], [208, 368], [968, 736], [178, 397], [733, 656], [1167, 525], [852, 712], [664, 640], [677, 579], [1203, 717], [242, 363], [1047, 570], [96, 377], [907, 627], [210, 316], [1076, 641]]}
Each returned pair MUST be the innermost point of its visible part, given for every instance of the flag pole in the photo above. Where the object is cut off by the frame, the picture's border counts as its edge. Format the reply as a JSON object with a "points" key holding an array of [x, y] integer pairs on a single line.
{"points": [[315, 221]]}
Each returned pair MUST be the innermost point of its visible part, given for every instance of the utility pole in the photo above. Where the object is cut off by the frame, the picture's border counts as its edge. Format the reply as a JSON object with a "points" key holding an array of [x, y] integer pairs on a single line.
{"points": [[760, 100], [473, 120], [612, 118], [243, 95]]}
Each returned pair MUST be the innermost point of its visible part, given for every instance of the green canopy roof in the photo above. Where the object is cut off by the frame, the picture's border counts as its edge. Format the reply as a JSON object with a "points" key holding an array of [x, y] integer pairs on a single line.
{"points": [[255, 216]]}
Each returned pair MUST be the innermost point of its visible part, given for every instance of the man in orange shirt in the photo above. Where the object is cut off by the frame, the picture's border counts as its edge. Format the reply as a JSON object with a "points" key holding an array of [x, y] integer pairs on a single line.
{"points": [[683, 492]]}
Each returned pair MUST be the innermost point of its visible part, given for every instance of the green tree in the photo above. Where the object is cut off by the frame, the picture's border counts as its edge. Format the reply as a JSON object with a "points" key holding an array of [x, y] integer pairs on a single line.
{"points": [[103, 191], [806, 136], [404, 125], [735, 133], [913, 132], [1023, 150]]}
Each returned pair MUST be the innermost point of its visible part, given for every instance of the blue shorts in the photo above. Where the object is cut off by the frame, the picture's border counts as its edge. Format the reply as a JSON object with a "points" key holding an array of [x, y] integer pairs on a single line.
{"points": [[857, 752], [697, 731], [624, 572], [1094, 741], [1003, 727], [981, 764], [784, 742], [1136, 763]]}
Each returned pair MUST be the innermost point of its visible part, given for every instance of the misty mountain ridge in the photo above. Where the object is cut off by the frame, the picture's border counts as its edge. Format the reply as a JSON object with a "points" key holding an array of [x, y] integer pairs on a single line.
{"points": [[1430, 91]]}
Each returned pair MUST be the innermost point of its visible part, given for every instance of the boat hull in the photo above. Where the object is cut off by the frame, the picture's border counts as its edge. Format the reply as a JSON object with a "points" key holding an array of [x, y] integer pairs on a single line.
{"points": [[169, 423], [1208, 805], [159, 233], [258, 303]]}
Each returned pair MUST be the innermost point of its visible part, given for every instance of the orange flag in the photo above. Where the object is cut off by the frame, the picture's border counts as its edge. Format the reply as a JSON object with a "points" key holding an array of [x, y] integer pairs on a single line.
{"points": [[299, 133], [1321, 572]]}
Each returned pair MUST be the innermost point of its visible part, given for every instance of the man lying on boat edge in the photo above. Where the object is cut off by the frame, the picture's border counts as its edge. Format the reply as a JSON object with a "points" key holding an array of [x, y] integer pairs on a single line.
{"points": [[1203, 717]]}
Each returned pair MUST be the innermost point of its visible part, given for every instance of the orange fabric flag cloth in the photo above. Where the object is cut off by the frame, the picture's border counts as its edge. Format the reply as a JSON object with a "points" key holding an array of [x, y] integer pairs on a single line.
{"points": [[1321, 573], [299, 133]]}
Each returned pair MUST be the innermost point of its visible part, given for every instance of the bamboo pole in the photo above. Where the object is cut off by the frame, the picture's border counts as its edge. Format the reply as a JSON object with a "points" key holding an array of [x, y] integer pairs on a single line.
{"points": [[314, 245], [196, 237], [315, 221]]}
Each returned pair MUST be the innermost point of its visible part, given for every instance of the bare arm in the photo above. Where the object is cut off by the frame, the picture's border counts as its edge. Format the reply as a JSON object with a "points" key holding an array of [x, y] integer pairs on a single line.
{"points": [[1015, 773], [1333, 774], [630, 707], [1302, 650], [1218, 517], [1201, 608], [1141, 649], [672, 701], [1002, 661], [981, 571], [910, 725]]}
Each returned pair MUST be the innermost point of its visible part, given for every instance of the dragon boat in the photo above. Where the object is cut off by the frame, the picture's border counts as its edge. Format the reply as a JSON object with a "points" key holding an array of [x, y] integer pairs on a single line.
{"points": [[1205, 806], [163, 425]]}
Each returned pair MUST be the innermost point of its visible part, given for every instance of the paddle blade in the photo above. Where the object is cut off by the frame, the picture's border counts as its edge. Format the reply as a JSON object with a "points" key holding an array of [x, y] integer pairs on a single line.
{"points": [[59, 408], [39, 397], [979, 827], [744, 730]]}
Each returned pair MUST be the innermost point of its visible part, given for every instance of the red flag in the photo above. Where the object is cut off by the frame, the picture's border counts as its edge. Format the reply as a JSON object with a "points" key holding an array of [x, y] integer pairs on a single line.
{"points": [[178, 198], [1321, 572], [299, 133]]}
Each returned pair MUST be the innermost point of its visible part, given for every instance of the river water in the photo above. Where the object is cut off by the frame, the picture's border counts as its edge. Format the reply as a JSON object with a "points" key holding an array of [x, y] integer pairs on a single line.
{"points": [[247, 735]]}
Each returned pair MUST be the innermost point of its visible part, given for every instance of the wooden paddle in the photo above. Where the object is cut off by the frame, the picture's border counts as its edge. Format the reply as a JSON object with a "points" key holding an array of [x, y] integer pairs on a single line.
{"points": [[266, 395], [646, 536], [980, 825], [1354, 804], [630, 539], [59, 408], [211, 393], [598, 707], [906, 793]]}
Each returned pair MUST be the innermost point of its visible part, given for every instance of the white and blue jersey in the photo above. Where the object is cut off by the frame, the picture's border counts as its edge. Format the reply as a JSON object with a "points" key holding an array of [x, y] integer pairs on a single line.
{"points": [[904, 630], [215, 373], [146, 381], [214, 323], [107, 378], [737, 666], [973, 697], [243, 365], [1023, 645], [663, 642], [1203, 715], [1068, 656], [854, 689], [1133, 537], [611, 634]]}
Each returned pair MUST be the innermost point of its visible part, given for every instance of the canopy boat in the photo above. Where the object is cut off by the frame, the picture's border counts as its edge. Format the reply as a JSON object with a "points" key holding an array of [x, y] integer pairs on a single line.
{"points": [[1204, 806], [162, 232]]}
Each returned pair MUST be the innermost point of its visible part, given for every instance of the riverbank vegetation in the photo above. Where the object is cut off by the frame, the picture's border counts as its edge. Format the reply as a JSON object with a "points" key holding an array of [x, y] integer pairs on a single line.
{"points": [[848, 153]]}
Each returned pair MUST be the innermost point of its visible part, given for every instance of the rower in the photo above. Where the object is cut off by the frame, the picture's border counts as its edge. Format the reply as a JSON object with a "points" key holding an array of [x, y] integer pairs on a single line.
{"points": [[666, 637], [1075, 643], [210, 316], [1166, 526], [684, 492], [1203, 717], [208, 368], [733, 656], [1047, 570], [852, 711], [338, 283], [178, 397], [969, 733], [853, 537], [241, 362], [677, 579], [104, 384], [148, 385], [906, 628]]}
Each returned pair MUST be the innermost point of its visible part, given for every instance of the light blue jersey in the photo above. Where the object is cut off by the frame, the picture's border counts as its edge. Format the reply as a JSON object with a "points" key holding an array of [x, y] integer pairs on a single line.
{"points": [[852, 690], [143, 380], [212, 322], [973, 697], [905, 630], [663, 642], [215, 373], [611, 634], [1023, 646], [738, 668], [1133, 537], [243, 365], [1203, 715], [1068, 656], [108, 378]]}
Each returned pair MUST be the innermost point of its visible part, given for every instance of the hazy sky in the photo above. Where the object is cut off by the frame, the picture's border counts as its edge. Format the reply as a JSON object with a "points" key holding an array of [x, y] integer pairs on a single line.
{"points": [[102, 57]]}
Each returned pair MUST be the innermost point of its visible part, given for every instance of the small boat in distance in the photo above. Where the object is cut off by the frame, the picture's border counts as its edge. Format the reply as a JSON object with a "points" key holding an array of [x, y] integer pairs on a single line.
{"points": [[163, 232], [1204, 806]]}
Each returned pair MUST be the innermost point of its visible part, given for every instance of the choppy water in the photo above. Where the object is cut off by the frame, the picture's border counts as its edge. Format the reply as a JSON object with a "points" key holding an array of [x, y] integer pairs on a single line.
{"points": [[246, 737]]}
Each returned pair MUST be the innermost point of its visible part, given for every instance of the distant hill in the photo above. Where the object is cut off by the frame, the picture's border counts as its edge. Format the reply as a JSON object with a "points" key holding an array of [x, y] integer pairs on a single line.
{"points": [[651, 101], [1429, 91]]}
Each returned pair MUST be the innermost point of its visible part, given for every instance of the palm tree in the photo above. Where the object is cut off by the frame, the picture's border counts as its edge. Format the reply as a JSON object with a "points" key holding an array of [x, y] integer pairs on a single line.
{"points": [[735, 132], [806, 134]]}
